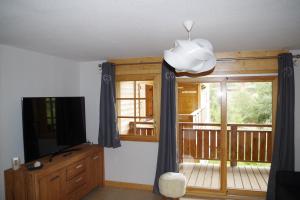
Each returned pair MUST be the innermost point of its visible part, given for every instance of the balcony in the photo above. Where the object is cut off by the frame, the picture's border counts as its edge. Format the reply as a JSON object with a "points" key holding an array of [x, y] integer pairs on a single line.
{"points": [[249, 145], [207, 175]]}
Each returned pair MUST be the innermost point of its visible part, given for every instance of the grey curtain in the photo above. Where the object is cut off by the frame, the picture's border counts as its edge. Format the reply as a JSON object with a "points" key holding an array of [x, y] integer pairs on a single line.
{"points": [[108, 130], [166, 159], [284, 150]]}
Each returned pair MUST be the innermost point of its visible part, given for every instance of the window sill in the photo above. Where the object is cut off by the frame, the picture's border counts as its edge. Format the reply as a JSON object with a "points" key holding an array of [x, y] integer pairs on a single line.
{"points": [[139, 138]]}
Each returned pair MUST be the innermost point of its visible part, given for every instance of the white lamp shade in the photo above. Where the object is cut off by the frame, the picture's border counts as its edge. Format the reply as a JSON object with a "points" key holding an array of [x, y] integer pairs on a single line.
{"points": [[193, 56]]}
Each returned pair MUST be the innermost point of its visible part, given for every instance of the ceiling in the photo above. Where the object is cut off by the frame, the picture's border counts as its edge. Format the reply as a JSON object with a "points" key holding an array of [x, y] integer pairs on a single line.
{"points": [[86, 30]]}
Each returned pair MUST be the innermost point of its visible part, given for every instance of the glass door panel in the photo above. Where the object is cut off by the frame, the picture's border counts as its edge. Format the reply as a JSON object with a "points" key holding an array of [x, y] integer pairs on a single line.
{"points": [[199, 134], [249, 135]]}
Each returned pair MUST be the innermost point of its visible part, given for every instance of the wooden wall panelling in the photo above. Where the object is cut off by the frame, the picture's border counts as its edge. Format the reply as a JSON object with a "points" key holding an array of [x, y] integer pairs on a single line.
{"points": [[188, 98], [249, 66], [138, 69]]}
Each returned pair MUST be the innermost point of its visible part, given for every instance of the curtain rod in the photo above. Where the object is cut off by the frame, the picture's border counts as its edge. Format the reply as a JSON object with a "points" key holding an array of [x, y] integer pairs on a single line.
{"points": [[219, 60], [254, 58]]}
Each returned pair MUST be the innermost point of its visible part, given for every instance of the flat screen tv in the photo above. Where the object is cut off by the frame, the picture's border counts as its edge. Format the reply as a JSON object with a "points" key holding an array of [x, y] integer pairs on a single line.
{"points": [[52, 125]]}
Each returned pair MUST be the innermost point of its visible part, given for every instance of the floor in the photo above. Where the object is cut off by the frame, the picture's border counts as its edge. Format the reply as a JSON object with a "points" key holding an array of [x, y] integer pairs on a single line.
{"points": [[110, 193], [205, 175]]}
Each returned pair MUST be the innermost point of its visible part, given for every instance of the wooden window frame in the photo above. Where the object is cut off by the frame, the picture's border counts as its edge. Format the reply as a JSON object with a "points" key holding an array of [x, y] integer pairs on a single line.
{"points": [[156, 78]]}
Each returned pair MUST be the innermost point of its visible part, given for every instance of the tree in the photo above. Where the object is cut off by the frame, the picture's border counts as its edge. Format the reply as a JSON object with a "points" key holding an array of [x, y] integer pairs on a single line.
{"points": [[247, 102]]}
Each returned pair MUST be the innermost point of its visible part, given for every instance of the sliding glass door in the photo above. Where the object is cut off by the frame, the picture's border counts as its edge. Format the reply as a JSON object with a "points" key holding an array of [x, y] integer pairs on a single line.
{"points": [[199, 131], [250, 135], [225, 132]]}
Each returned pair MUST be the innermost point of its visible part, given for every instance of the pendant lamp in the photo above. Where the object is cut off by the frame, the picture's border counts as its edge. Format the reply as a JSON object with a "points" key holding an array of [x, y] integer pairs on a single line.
{"points": [[192, 56]]}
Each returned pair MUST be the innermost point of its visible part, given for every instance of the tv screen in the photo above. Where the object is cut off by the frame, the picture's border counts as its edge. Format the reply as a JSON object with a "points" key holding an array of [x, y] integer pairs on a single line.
{"points": [[52, 124]]}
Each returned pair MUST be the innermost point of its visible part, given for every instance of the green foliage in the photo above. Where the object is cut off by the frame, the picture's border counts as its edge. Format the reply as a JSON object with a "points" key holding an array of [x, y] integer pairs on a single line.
{"points": [[249, 102], [215, 103]]}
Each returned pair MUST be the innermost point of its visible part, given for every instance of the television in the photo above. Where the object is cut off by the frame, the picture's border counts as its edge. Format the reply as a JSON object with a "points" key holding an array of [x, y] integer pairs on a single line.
{"points": [[52, 125]]}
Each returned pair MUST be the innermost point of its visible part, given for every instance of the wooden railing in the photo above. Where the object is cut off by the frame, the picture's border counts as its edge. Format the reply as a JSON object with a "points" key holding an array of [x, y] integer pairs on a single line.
{"points": [[246, 142], [196, 116], [141, 128]]}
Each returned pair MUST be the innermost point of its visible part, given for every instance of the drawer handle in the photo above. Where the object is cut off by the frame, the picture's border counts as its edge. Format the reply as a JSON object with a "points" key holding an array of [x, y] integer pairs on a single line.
{"points": [[78, 166], [54, 178], [95, 157], [78, 180]]}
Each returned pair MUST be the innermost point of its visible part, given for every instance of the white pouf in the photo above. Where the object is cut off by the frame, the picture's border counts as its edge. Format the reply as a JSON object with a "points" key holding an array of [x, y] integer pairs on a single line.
{"points": [[172, 184]]}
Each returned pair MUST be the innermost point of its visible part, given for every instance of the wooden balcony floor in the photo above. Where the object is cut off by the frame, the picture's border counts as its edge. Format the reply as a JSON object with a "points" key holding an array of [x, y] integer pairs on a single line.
{"points": [[205, 175]]}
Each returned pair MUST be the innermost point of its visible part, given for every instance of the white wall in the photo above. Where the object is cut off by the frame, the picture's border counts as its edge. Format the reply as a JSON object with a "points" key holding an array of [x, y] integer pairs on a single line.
{"points": [[1, 125], [297, 111], [134, 162], [90, 84], [27, 73]]}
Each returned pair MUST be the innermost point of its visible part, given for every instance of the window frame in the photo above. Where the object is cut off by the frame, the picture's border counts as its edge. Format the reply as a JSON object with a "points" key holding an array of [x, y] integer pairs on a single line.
{"points": [[156, 78]]}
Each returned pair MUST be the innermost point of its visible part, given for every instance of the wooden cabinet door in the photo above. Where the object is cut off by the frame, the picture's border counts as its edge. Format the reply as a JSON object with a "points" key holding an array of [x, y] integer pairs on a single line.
{"points": [[95, 170], [51, 187]]}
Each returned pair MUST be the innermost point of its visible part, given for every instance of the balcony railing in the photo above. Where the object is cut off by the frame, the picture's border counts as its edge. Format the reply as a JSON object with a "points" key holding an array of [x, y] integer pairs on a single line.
{"points": [[141, 128], [245, 142]]}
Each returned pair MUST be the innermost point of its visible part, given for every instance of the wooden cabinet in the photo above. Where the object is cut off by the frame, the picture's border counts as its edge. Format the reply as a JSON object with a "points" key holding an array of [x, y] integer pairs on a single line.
{"points": [[68, 176], [52, 186], [94, 162], [76, 168]]}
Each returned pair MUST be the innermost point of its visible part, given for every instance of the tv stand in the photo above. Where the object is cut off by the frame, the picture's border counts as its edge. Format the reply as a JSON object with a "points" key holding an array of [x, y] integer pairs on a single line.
{"points": [[62, 152], [70, 177]]}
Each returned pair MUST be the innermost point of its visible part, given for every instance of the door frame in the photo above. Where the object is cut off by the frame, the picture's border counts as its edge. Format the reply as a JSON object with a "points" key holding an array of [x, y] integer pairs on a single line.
{"points": [[224, 191]]}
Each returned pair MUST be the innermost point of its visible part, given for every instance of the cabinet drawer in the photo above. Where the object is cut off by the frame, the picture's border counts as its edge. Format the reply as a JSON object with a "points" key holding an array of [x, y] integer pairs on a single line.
{"points": [[75, 169], [95, 156], [76, 182]]}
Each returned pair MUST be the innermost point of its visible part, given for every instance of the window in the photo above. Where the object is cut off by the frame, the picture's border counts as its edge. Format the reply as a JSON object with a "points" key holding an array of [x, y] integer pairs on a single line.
{"points": [[137, 106]]}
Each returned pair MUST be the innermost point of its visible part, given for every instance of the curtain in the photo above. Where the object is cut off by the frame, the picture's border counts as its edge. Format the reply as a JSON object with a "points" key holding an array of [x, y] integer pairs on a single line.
{"points": [[166, 159], [108, 130], [283, 151]]}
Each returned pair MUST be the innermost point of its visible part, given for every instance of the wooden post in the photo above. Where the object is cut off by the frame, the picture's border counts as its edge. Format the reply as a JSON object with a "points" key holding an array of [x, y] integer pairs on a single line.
{"points": [[233, 160], [180, 138], [223, 146]]}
